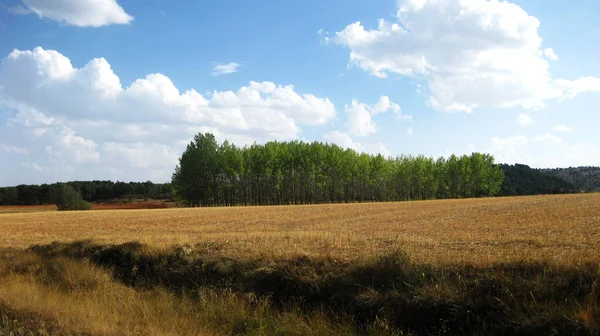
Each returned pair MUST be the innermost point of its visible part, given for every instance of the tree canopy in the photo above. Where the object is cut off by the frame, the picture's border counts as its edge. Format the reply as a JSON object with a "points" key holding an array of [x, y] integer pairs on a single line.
{"points": [[521, 180], [298, 172], [583, 178], [69, 199]]}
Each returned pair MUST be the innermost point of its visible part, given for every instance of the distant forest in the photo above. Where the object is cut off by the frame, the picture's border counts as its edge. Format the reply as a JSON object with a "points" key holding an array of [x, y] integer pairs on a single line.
{"points": [[583, 178], [412, 180], [91, 191], [522, 180]]}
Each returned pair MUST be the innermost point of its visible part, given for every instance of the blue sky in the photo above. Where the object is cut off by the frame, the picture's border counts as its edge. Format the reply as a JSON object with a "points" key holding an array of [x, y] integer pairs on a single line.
{"points": [[115, 89]]}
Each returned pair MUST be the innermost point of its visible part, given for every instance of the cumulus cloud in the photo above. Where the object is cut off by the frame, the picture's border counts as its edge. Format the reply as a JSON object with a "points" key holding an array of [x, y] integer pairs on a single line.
{"points": [[360, 115], [472, 54], [85, 116], [539, 151], [81, 13], [583, 155], [550, 54], [524, 120], [344, 140], [543, 151], [225, 69], [563, 128]]}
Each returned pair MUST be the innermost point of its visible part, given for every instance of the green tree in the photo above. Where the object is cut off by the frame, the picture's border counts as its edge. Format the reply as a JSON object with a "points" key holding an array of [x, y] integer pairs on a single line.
{"points": [[68, 199], [195, 180], [298, 172]]}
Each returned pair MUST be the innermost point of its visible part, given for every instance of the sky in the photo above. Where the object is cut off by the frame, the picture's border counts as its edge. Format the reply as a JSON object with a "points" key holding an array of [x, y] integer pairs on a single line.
{"points": [[115, 89]]}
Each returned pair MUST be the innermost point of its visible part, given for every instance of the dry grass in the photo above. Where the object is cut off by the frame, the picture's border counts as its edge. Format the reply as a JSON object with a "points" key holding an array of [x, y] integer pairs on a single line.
{"points": [[561, 229], [76, 297]]}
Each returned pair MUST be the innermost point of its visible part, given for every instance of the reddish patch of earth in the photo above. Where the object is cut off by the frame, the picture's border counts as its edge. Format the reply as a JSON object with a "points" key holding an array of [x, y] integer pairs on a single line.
{"points": [[125, 206], [95, 206]]}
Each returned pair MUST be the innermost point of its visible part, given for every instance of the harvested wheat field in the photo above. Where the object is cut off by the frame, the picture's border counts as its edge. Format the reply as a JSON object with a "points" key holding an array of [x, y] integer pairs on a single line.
{"points": [[497, 266], [562, 229]]}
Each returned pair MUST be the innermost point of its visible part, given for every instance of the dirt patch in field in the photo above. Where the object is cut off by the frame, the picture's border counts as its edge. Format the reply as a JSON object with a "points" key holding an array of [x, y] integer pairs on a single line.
{"points": [[26, 208], [129, 206], [141, 205]]}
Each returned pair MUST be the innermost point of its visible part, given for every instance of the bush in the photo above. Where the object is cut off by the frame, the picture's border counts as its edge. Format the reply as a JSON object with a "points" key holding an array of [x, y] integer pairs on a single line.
{"points": [[68, 198]]}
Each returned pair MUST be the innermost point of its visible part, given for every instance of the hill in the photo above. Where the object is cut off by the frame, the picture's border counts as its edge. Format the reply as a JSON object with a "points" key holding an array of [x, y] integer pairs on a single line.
{"points": [[522, 180], [584, 178]]}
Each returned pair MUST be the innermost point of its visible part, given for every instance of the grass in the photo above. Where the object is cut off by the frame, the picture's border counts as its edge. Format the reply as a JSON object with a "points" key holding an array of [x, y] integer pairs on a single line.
{"points": [[527, 265], [75, 297], [121, 289]]}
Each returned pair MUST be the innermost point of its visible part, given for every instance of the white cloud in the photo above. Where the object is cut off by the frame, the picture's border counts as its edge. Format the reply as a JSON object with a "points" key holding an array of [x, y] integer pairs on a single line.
{"points": [[409, 131], [13, 149], [344, 140], [570, 89], [360, 115], [546, 150], [550, 54], [359, 119], [74, 148], [582, 155], [225, 69], [524, 120], [45, 89], [81, 13], [72, 117], [34, 166], [563, 128], [550, 138], [141, 155], [471, 53]]}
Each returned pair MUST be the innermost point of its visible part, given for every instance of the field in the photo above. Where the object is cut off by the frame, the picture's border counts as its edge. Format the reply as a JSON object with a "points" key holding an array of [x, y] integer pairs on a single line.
{"points": [[558, 229], [538, 256]]}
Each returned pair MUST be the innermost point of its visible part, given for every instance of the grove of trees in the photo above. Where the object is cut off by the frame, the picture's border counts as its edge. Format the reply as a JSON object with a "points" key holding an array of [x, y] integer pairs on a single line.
{"points": [[211, 174]]}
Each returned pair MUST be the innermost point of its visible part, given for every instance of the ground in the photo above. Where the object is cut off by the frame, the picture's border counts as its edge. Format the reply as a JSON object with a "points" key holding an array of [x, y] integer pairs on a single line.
{"points": [[494, 266], [562, 229]]}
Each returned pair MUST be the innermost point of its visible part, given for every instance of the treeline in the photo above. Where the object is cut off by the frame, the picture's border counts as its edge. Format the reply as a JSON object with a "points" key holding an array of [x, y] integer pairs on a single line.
{"points": [[210, 174], [91, 191], [522, 180], [584, 178]]}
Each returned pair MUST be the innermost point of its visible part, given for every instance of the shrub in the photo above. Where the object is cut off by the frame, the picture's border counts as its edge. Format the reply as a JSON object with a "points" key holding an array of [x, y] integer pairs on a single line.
{"points": [[68, 198]]}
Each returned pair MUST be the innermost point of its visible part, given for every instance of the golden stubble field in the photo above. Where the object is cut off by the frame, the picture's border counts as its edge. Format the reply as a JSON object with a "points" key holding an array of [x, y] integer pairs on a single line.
{"points": [[561, 229]]}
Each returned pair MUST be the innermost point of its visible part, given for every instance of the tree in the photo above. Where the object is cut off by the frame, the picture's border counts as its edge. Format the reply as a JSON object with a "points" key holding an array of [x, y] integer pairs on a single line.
{"points": [[68, 199], [299, 172], [195, 179]]}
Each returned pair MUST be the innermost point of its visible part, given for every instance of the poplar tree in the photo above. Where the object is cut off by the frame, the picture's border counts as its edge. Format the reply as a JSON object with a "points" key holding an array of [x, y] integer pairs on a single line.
{"points": [[297, 172]]}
